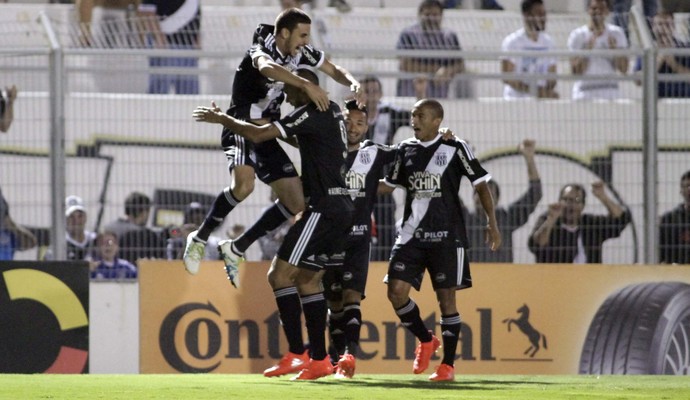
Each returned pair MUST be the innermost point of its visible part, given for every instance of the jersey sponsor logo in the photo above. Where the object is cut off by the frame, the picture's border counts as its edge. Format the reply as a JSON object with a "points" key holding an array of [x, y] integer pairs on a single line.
{"points": [[355, 180], [358, 230], [427, 194], [298, 120], [424, 180], [436, 236]]}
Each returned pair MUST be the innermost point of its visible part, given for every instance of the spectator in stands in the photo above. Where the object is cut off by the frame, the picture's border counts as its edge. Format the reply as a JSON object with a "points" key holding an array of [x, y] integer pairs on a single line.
{"points": [[674, 230], [7, 98], [621, 12], [80, 242], [107, 23], [13, 237], [530, 38], [106, 263], [509, 219], [175, 25], [597, 35], [135, 239], [194, 214], [110, 24], [663, 27], [565, 234], [435, 74], [484, 5]]}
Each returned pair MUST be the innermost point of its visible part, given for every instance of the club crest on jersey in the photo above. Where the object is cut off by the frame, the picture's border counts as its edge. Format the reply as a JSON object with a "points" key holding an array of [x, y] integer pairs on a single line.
{"points": [[364, 158], [441, 159]]}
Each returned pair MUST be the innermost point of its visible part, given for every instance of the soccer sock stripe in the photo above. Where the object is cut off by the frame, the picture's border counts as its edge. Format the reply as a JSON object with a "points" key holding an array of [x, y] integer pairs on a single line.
{"points": [[290, 312], [411, 319], [315, 312], [450, 328]]}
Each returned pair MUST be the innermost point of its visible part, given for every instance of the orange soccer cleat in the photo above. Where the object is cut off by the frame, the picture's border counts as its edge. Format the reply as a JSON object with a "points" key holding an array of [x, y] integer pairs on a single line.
{"points": [[289, 364], [315, 369], [346, 367], [423, 354], [444, 372]]}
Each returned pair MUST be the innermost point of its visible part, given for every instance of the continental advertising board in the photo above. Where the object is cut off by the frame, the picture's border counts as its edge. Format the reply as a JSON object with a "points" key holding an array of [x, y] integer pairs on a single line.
{"points": [[517, 319]]}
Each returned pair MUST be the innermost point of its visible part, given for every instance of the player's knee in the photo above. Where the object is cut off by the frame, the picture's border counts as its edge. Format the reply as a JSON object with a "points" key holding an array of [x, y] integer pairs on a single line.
{"points": [[243, 188], [397, 296]]}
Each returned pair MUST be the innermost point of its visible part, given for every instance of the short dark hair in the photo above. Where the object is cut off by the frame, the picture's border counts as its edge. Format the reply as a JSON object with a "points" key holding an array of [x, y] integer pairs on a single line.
{"points": [[685, 176], [290, 18], [433, 105], [428, 4], [609, 3], [527, 5], [136, 203], [370, 78], [307, 74], [351, 105]]}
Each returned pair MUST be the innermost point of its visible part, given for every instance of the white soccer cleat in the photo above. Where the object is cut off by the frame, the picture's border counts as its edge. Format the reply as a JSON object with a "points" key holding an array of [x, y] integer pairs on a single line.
{"points": [[231, 261], [193, 254]]}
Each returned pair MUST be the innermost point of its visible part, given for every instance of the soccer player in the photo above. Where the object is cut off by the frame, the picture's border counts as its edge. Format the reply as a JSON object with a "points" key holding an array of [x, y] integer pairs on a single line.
{"points": [[257, 94], [432, 236], [318, 236], [344, 287]]}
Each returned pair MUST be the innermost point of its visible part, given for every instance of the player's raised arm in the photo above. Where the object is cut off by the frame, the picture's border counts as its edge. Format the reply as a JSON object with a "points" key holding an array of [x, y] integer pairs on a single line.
{"points": [[345, 78], [272, 70], [249, 131]]}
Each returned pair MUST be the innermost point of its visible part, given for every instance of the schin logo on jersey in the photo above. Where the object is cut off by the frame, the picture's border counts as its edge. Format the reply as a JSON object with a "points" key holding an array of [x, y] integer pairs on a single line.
{"points": [[354, 180], [424, 180], [299, 120]]}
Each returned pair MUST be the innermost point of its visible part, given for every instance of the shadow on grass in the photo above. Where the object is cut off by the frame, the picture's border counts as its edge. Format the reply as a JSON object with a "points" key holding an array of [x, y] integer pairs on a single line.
{"points": [[463, 384]]}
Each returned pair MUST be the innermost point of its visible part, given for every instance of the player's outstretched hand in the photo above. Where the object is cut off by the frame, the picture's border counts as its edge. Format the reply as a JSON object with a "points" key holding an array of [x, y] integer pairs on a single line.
{"points": [[211, 114], [317, 95]]}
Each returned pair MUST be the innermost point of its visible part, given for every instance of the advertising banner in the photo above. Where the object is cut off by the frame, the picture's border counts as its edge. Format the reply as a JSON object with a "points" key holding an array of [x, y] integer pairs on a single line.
{"points": [[44, 321], [517, 319]]}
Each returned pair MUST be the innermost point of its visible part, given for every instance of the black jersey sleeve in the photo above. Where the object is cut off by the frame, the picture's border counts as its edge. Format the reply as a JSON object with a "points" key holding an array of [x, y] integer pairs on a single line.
{"points": [[311, 57], [297, 122]]}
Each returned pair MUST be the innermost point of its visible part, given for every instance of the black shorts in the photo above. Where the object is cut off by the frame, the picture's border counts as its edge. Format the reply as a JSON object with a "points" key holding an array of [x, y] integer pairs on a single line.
{"points": [[448, 267], [269, 160], [352, 274], [315, 239]]}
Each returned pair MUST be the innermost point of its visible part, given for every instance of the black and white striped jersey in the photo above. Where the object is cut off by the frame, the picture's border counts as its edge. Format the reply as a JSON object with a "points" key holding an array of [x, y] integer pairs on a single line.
{"points": [[254, 96], [365, 169], [431, 173]]}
